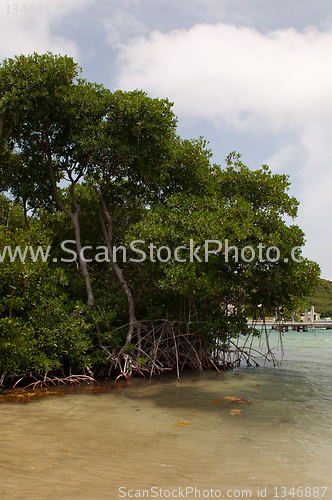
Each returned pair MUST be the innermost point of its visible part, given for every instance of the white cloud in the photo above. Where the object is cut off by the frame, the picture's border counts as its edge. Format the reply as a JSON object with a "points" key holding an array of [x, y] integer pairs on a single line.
{"points": [[25, 32], [236, 75]]}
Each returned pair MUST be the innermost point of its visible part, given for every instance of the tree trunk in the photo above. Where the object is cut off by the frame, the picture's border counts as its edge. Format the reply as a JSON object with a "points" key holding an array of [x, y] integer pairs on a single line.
{"points": [[74, 220], [83, 265], [116, 268], [26, 218]]}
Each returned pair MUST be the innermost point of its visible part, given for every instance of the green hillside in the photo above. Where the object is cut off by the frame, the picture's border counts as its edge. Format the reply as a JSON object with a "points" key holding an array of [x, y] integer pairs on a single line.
{"points": [[321, 299]]}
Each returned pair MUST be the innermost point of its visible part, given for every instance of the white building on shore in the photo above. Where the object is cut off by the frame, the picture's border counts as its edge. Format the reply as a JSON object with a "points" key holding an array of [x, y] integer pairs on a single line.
{"points": [[310, 315]]}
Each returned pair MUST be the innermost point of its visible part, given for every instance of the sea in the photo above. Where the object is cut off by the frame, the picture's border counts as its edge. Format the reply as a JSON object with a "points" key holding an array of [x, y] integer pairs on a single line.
{"points": [[254, 432]]}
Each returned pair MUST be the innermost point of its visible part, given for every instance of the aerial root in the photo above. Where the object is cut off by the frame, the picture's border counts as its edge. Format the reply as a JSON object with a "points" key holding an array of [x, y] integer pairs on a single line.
{"points": [[163, 346], [168, 345]]}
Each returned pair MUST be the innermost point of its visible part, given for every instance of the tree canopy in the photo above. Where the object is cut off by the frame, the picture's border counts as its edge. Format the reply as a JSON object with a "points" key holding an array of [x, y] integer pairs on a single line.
{"points": [[98, 178]]}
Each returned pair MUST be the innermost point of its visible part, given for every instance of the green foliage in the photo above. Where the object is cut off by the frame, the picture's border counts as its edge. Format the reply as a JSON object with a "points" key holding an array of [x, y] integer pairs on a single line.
{"points": [[223, 291], [321, 298], [35, 93]]}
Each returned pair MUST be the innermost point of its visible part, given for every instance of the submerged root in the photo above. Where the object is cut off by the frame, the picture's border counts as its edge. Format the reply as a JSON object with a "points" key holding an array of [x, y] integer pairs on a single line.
{"points": [[46, 381]]}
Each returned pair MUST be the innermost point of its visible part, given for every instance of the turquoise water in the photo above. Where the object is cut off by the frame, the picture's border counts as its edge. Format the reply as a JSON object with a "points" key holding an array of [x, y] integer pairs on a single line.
{"points": [[226, 435]]}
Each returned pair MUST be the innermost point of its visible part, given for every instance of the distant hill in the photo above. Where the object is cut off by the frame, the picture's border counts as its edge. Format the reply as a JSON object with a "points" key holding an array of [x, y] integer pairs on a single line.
{"points": [[321, 299]]}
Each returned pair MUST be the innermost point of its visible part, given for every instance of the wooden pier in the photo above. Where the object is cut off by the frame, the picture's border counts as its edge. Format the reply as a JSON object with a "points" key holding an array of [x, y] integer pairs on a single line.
{"points": [[285, 326]]}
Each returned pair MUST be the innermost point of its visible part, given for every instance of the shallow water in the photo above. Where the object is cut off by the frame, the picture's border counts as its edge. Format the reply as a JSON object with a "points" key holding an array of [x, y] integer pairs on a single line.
{"points": [[169, 435]]}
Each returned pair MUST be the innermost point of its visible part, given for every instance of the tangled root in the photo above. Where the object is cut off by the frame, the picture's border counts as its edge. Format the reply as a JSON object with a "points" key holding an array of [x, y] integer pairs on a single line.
{"points": [[167, 346]]}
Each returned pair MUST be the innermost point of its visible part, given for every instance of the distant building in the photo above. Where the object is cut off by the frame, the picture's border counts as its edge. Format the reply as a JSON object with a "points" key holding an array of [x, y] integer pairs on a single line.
{"points": [[310, 315]]}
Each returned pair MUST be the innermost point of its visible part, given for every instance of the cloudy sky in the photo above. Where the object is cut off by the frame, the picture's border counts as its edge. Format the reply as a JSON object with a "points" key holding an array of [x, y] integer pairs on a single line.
{"points": [[249, 75]]}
